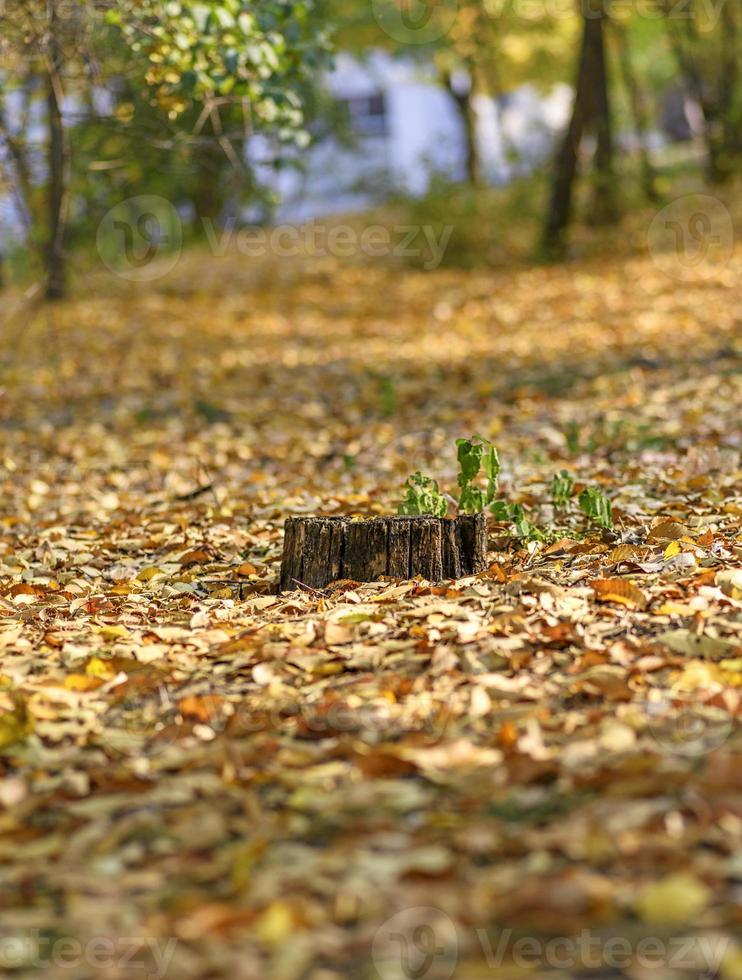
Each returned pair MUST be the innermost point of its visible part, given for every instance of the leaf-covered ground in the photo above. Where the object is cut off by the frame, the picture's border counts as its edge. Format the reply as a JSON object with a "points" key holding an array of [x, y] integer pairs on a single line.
{"points": [[203, 779]]}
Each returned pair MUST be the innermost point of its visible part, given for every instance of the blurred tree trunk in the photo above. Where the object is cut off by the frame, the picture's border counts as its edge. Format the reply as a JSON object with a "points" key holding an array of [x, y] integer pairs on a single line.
{"points": [[638, 112], [729, 89], [208, 184], [566, 162], [468, 113], [58, 161], [718, 97], [604, 207]]}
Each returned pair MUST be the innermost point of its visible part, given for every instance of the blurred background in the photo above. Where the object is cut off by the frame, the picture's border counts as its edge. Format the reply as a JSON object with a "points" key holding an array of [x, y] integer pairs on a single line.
{"points": [[269, 258], [530, 129]]}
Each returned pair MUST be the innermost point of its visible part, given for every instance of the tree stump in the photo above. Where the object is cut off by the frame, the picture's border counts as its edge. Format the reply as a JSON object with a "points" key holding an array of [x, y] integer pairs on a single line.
{"points": [[320, 550]]}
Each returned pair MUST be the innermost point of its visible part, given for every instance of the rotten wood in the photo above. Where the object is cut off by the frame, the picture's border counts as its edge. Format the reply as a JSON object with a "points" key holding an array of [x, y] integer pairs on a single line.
{"points": [[320, 550]]}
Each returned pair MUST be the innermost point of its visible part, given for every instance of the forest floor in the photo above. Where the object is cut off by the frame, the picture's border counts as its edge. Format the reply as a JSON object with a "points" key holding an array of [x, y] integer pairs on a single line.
{"points": [[530, 773]]}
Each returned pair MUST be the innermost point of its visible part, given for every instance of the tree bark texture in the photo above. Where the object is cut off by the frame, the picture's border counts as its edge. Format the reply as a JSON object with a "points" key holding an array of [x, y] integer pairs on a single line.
{"points": [[320, 550]]}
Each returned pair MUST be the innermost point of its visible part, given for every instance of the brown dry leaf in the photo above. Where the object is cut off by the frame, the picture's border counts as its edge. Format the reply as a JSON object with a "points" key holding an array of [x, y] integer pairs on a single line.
{"points": [[619, 590], [196, 556], [666, 530]]}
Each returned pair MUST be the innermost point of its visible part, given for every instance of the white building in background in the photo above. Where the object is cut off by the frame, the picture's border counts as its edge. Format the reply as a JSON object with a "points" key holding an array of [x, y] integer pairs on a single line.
{"points": [[406, 129]]}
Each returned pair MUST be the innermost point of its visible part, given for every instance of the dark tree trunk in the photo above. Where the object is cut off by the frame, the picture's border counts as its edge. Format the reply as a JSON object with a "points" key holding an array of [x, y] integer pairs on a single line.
{"points": [[209, 184], [591, 106], [729, 90], [567, 158], [473, 161], [58, 163], [320, 550], [604, 210], [468, 114]]}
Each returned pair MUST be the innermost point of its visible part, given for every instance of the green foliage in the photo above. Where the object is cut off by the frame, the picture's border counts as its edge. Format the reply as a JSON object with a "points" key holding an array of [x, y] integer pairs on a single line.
{"points": [[596, 507], [388, 399], [524, 529], [423, 497], [260, 54], [562, 485], [476, 455]]}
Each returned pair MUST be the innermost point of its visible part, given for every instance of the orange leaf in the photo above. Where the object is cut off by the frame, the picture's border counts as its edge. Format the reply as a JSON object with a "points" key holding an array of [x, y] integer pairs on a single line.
{"points": [[201, 707], [246, 569], [196, 557]]}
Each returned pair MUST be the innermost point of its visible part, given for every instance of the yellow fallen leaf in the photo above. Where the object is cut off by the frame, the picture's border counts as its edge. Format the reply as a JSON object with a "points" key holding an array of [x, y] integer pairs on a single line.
{"points": [[111, 633], [15, 724], [700, 675], [672, 549], [82, 682], [99, 668], [148, 573], [675, 609], [674, 900], [276, 924]]}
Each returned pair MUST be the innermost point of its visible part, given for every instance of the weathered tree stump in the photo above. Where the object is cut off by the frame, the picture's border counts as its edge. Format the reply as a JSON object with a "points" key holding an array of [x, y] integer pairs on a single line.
{"points": [[320, 550]]}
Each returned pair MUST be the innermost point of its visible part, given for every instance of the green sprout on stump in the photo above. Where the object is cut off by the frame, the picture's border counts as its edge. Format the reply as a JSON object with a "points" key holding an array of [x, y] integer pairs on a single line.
{"points": [[476, 455], [423, 497]]}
